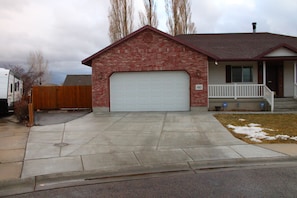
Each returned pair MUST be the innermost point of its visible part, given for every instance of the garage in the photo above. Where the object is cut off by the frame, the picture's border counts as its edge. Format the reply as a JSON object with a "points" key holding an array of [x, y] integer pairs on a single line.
{"points": [[149, 70], [150, 91]]}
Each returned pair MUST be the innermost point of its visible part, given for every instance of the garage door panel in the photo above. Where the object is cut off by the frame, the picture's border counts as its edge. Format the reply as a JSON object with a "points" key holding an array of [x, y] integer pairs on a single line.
{"points": [[149, 91]]}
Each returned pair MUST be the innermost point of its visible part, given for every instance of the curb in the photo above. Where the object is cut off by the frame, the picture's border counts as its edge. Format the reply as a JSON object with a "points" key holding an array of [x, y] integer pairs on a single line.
{"points": [[17, 186], [241, 163], [68, 179]]}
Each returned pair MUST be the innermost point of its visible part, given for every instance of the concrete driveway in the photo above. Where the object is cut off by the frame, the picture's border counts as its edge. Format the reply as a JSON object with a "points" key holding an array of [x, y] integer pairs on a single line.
{"points": [[114, 141]]}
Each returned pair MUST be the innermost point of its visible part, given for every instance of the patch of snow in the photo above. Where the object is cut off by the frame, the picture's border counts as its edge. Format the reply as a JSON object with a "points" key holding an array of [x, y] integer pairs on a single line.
{"points": [[255, 140], [294, 138], [283, 137], [242, 120], [256, 133], [254, 125]]}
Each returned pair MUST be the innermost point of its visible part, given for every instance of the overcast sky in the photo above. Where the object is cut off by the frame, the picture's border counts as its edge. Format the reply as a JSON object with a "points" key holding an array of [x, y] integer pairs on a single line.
{"points": [[68, 31]]}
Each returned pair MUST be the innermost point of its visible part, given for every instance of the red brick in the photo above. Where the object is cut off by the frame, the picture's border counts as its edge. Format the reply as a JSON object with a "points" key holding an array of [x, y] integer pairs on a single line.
{"points": [[149, 51]]}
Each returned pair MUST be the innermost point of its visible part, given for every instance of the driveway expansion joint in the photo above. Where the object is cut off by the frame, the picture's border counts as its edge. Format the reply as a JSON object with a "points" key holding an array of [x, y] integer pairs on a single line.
{"points": [[61, 144]]}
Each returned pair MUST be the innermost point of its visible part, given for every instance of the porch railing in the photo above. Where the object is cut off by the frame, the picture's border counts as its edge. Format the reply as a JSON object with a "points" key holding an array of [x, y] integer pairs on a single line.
{"points": [[269, 96], [295, 90], [236, 91]]}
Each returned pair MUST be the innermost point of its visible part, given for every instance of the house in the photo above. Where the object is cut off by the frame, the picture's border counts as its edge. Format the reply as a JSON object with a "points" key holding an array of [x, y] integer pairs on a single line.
{"points": [[78, 80], [248, 65], [150, 70]]}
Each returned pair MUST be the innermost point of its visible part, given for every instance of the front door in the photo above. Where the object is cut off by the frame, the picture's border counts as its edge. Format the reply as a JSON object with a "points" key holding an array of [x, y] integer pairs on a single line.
{"points": [[274, 77]]}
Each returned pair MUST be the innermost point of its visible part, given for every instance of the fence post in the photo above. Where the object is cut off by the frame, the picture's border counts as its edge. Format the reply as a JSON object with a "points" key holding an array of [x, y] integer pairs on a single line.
{"points": [[31, 115]]}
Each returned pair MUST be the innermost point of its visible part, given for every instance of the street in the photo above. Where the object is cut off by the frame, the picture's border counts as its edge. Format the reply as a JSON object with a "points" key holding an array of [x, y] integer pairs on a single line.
{"points": [[265, 181]]}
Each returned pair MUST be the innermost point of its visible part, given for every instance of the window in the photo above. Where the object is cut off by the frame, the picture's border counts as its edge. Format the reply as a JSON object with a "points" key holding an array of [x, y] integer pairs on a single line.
{"points": [[239, 73], [18, 86]]}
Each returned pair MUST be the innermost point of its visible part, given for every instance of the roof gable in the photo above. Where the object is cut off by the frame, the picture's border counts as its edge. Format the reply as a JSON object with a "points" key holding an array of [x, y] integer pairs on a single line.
{"points": [[88, 61], [282, 50]]}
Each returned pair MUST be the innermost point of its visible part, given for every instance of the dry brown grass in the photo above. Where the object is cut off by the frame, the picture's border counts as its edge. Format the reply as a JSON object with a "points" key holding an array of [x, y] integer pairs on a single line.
{"points": [[281, 124]]}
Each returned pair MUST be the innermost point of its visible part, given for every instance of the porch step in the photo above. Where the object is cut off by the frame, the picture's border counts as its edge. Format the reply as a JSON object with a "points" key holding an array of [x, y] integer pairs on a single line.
{"points": [[285, 104]]}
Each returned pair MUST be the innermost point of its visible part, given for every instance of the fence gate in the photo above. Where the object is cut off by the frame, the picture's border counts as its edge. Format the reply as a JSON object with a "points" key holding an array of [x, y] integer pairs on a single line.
{"points": [[57, 97]]}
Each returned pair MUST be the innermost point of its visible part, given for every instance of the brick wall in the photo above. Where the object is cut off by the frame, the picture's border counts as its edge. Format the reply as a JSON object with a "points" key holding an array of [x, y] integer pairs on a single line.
{"points": [[149, 51]]}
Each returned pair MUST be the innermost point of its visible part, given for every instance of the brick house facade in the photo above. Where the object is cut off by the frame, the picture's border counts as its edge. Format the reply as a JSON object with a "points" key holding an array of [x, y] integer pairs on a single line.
{"points": [[148, 49]]}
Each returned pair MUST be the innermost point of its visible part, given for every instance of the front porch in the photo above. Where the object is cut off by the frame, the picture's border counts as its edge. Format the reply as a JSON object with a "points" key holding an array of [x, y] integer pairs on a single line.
{"points": [[260, 83], [240, 97], [244, 97]]}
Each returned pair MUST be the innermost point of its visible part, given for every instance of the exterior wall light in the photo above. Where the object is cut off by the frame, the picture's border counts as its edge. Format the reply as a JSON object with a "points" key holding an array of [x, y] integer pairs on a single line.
{"points": [[225, 105], [262, 106]]}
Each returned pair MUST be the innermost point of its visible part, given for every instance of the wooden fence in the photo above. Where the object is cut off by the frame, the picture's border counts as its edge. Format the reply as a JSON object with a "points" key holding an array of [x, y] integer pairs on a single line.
{"points": [[57, 97]]}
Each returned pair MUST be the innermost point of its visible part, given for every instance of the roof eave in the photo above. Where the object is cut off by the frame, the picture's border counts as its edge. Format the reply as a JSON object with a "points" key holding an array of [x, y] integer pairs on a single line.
{"points": [[288, 58]]}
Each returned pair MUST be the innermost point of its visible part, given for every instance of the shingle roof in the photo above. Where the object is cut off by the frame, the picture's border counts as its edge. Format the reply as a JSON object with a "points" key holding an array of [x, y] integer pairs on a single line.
{"points": [[240, 46], [78, 80]]}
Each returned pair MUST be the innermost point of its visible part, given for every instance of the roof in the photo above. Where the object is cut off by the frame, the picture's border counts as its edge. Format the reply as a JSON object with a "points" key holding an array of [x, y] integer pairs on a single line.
{"points": [[240, 46], [4, 71], [88, 61], [78, 80], [9, 71]]}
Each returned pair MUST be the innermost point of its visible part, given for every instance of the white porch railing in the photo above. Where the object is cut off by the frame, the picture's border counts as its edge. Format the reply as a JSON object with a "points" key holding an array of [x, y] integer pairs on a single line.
{"points": [[236, 91], [269, 96], [295, 90]]}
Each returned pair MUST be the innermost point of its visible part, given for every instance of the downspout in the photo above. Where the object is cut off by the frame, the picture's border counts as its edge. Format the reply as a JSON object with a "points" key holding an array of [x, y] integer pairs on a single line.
{"points": [[295, 79], [295, 72], [207, 84]]}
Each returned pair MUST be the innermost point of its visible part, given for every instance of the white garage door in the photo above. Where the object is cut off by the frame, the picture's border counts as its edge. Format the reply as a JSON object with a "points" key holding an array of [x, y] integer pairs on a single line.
{"points": [[150, 91]]}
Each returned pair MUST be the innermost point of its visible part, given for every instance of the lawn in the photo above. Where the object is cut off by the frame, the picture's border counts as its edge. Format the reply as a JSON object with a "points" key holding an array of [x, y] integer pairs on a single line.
{"points": [[261, 128]]}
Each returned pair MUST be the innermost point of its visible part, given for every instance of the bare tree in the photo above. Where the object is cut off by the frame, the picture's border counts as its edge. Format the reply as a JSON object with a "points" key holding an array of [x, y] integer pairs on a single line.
{"points": [[187, 26], [173, 18], [36, 72], [38, 67], [149, 17], [179, 17], [120, 19]]}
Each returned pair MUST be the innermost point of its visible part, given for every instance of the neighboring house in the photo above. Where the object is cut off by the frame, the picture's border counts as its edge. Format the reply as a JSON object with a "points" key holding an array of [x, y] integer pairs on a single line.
{"points": [[78, 80], [150, 70]]}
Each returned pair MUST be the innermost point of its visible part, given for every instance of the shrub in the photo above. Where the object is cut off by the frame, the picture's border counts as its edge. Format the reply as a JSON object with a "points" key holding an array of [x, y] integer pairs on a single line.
{"points": [[21, 110]]}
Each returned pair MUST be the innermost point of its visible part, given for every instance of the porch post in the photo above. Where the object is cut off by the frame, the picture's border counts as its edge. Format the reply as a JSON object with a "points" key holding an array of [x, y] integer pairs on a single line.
{"points": [[264, 72]]}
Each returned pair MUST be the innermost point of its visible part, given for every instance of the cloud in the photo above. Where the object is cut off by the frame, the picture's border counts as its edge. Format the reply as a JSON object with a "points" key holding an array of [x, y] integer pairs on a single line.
{"points": [[218, 16], [278, 16], [66, 32], [69, 31]]}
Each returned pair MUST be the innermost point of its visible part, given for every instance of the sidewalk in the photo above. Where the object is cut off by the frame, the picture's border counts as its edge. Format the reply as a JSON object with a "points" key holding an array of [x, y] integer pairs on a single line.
{"points": [[13, 139], [137, 143]]}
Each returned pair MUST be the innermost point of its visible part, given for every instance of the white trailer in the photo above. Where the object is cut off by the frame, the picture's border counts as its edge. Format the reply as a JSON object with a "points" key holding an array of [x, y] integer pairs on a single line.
{"points": [[11, 90]]}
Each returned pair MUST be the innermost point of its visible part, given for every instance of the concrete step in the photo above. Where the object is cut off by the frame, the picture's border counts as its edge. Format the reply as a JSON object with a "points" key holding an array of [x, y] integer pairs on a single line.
{"points": [[285, 104]]}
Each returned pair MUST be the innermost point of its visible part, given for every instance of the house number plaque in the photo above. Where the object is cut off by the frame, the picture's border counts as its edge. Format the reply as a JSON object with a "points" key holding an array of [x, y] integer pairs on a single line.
{"points": [[199, 87]]}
